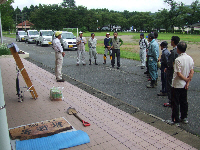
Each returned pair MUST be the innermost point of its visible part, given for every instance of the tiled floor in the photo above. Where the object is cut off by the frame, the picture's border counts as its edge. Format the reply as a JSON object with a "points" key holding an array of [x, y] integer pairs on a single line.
{"points": [[111, 128]]}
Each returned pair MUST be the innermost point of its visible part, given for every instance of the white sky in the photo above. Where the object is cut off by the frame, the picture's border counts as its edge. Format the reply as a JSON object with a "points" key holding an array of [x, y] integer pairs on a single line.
{"points": [[117, 5]]}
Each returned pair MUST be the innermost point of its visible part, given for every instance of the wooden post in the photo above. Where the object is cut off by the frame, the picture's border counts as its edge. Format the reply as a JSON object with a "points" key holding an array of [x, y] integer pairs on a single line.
{"points": [[23, 71]]}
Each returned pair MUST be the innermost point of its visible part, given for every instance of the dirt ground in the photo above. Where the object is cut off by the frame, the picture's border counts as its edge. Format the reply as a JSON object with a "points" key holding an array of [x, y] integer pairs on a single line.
{"points": [[193, 49]]}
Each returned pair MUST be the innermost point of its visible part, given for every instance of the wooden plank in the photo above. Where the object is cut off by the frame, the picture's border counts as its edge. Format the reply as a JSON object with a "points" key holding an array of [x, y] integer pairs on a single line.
{"points": [[23, 72], [42, 129]]}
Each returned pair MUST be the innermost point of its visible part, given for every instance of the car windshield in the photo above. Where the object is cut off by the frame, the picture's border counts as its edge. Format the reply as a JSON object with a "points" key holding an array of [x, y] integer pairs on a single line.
{"points": [[47, 33], [22, 33], [67, 36], [33, 33]]}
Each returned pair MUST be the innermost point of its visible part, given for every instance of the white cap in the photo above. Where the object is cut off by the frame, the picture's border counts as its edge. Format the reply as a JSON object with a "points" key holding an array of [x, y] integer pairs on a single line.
{"points": [[107, 33], [80, 32]]}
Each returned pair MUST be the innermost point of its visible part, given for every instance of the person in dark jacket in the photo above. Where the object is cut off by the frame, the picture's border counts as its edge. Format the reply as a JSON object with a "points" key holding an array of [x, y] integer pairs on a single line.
{"points": [[163, 60], [107, 47], [170, 70]]}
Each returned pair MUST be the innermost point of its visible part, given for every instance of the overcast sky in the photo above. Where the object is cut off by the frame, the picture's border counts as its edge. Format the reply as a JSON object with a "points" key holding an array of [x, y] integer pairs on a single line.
{"points": [[117, 5]]}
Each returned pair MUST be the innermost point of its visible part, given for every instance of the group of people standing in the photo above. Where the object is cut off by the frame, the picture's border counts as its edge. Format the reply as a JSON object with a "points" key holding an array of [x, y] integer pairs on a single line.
{"points": [[112, 45], [176, 65], [176, 72]]}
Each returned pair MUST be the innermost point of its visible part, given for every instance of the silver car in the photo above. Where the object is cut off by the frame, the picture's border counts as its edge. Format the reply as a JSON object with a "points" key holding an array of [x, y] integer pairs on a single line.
{"points": [[20, 36]]}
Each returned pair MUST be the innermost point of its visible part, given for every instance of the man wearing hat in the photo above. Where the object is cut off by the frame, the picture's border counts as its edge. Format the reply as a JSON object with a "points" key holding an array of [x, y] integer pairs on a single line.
{"points": [[107, 47], [92, 42], [59, 54], [164, 60], [81, 41], [143, 46]]}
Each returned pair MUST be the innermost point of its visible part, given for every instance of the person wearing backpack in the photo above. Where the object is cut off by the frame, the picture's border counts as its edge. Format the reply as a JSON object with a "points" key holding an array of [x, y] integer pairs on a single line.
{"points": [[143, 46]]}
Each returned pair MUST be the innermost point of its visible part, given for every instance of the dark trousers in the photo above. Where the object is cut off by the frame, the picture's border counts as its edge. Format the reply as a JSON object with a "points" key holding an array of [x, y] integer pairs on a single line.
{"points": [[179, 97], [169, 75], [147, 62], [117, 52], [163, 79]]}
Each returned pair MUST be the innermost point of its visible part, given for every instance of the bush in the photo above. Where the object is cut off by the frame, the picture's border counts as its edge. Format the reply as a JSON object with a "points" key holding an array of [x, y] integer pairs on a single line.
{"points": [[4, 50]]}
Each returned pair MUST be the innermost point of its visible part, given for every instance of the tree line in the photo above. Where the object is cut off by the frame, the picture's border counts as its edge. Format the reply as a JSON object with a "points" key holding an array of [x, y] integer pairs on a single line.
{"points": [[68, 15]]}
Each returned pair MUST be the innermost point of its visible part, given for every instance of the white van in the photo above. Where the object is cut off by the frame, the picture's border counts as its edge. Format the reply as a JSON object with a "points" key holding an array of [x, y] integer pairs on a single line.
{"points": [[20, 36], [68, 40], [31, 36], [45, 37]]}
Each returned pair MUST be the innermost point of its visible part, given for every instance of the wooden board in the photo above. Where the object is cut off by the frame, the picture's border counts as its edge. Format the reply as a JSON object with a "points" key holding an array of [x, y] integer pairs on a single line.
{"points": [[23, 72], [42, 129]]}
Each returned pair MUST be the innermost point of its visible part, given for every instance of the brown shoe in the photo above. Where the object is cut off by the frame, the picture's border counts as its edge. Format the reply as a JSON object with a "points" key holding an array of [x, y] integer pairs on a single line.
{"points": [[61, 80], [77, 64], [84, 64]]}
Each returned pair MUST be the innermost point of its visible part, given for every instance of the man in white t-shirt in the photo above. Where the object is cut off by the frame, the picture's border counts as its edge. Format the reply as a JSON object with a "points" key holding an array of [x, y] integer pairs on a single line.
{"points": [[183, 73]]}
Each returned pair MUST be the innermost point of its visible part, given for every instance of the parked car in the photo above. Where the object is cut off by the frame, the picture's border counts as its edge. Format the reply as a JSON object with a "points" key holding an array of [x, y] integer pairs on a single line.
{"points": [[45, 37], [20, 36], [68, 40], [31, 36]]}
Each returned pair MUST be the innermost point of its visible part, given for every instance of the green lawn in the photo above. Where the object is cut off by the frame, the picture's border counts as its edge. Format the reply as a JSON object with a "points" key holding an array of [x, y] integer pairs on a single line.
{"points": [[125, 53], [161, 36]]}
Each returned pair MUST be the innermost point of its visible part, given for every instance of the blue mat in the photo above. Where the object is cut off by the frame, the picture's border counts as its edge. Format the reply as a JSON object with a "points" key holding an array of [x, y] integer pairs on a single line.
{"points": [[54, 142]]}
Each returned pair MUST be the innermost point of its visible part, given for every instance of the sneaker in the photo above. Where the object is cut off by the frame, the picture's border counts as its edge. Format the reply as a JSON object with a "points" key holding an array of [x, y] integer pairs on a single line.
{"points": [[117, 67], [167, 105], [170, 122], [142, 67], [162, 94], [185, 120], [147, 72], [84, 64]]}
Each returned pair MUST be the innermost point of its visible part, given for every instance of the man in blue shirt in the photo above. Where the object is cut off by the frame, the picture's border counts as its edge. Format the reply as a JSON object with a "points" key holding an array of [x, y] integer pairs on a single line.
{"points": [[153, 59]]}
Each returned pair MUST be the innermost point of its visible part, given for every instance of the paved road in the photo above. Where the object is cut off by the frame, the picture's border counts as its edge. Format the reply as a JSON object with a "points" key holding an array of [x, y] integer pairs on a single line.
{"points": [[127, 84]]}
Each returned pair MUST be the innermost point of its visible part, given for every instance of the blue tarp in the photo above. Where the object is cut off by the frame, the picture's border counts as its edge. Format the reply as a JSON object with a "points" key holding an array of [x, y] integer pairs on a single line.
{"points": [[54, 142]]}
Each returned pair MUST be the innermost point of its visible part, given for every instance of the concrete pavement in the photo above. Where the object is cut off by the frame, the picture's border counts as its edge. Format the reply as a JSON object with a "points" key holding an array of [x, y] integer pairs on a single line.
{"points": [[111, 128]]}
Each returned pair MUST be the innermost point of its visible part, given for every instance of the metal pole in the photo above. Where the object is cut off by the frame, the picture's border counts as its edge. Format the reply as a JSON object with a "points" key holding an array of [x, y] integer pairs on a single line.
{"points": [[1, 29], [22, 21], [4, 138], [77, 32]]}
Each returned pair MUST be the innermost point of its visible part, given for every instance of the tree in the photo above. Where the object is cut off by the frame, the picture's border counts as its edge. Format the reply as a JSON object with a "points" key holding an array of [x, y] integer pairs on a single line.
{"points": [[7, 15], [162, 20], [142, 21], [68, 3], [17, 16], [173, 13]]}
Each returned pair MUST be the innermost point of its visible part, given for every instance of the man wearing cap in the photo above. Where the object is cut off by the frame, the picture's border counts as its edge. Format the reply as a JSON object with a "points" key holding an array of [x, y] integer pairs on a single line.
{"points": [[59, 54], [143, 46], [81, 41], [107, 47], [92, 42], [164, 60]]}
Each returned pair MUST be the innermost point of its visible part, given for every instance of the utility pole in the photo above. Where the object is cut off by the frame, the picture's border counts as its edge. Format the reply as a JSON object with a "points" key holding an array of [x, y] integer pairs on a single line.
{"points": [[22, 21], [1, 29], [4, 138]]}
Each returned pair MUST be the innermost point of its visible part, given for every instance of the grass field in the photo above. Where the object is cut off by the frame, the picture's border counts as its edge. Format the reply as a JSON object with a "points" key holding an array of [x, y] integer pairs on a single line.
{"points": [[125, 51]]}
